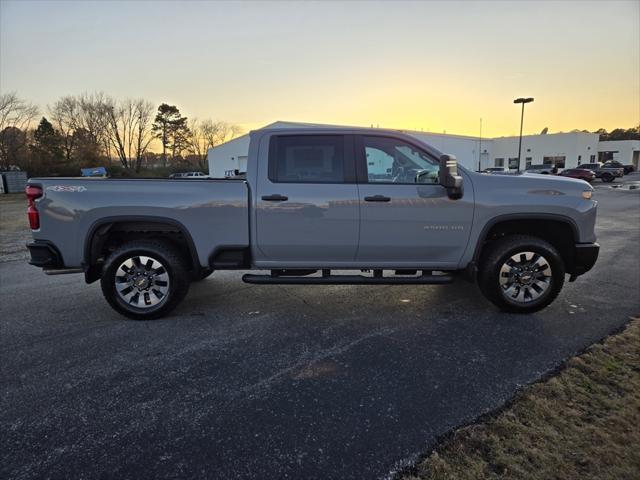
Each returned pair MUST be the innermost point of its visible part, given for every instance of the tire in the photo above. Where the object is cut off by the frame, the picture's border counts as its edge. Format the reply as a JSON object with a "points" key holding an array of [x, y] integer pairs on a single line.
{"points": [[524, 285], [162, 275], [607, 177]]}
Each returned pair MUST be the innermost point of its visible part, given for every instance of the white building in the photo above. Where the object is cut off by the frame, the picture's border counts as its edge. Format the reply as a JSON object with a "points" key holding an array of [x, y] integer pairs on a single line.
{"points": [[463, 147], [627, 152], [566, 150]]}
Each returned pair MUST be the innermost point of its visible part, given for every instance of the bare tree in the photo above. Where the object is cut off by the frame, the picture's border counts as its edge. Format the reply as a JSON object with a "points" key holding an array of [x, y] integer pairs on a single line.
{"points": [[83, 118], [199, 139], [94, 118], [219, 132], [129, 129], [208, 134], [143, 110], [15, 112], [119, 120], [64, 115], [15, 117]]}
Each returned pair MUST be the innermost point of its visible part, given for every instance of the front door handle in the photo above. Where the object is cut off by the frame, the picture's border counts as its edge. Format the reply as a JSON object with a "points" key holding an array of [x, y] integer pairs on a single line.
{"points": [[275, 198], [377, 198]]}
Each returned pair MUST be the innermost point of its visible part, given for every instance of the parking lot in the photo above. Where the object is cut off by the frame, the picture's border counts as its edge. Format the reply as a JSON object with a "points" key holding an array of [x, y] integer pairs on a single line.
{"points": [[257, 382]]}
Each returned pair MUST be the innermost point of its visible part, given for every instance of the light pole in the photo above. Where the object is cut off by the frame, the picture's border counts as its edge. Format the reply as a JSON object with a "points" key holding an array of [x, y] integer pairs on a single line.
{"points": [[480, 149], [522, 101]]}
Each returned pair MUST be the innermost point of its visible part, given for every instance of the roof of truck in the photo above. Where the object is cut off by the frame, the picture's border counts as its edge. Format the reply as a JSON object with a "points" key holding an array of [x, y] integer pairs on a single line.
{"points": [[326, 129]]}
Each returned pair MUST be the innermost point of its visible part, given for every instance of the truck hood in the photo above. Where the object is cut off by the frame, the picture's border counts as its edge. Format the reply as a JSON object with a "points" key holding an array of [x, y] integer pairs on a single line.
{"points": [[537, 184]]}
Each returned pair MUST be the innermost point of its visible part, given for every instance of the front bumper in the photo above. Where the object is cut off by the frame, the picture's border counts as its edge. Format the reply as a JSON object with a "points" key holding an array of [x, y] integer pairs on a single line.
{"points": [[585, 258], [44, 255]]}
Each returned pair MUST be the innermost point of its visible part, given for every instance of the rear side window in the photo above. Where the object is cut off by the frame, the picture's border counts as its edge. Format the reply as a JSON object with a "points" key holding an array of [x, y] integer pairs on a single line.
{"points": [[307, 159]]}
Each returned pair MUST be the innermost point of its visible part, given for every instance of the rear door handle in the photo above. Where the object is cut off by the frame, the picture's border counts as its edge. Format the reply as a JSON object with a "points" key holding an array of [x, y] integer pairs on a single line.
{"points": [[275, 198], [377, 198]]}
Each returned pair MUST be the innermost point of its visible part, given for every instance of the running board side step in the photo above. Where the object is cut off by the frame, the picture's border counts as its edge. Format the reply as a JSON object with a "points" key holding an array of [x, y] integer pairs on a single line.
{"points": [[347, 280], [61, 271]]}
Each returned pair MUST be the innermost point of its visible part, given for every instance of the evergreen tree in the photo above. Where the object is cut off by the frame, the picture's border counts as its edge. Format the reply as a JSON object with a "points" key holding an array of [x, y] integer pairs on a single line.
{"points": [[47, 152], [171, 128], [47, 142]]}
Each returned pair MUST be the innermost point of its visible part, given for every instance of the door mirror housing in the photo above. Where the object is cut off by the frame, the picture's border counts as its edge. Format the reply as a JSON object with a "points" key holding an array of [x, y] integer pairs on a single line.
{"points": [[449, 178]]}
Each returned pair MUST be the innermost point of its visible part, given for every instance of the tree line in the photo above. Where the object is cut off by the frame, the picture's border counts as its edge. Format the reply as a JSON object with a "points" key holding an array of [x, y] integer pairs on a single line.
{"points": [[94, 129], [619, 134]]}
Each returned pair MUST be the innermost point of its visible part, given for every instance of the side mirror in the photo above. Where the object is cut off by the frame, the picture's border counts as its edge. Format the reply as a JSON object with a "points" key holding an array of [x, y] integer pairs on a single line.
{"points": [[449, 178]]}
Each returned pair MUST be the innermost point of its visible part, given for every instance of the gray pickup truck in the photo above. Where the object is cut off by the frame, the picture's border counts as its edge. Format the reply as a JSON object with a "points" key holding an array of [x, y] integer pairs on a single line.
{"points": [[316, 204], [606, 172]]}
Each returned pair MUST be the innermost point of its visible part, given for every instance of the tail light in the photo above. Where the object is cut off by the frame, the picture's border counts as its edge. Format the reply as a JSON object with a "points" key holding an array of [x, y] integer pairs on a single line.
{"points": [[33, 192]]}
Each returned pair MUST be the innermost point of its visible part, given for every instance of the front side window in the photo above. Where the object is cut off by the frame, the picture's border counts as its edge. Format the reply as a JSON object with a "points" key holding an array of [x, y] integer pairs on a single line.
{"points": [[528, 161], [307, 159], [514, 163], [393, 161], [499, 162]]}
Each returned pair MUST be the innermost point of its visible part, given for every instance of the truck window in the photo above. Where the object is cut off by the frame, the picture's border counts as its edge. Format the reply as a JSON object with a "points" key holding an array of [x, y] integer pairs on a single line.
{"points": [[306, 158], [394, 161]]}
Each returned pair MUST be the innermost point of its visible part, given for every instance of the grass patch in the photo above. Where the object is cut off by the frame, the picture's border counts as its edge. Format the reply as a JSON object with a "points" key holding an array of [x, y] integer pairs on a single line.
{"points": [[14, 227], [583, 423]]}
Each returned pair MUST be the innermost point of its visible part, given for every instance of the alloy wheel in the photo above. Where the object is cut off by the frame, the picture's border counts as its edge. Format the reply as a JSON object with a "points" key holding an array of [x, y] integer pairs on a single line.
{"points": [[525, 277], [142, 282]]}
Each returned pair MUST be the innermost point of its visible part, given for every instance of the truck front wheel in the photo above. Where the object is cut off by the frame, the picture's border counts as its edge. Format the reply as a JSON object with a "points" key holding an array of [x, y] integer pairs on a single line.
{"points": [[521, 273], [144, 279]]}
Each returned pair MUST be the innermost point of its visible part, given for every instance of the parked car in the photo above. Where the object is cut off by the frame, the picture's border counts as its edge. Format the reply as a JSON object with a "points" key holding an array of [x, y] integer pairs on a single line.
{"points": [[579, 173], [314, 202], [93, 172], [544, 169], [189, 175], [627, 169], [498, 170], [607, 174]]}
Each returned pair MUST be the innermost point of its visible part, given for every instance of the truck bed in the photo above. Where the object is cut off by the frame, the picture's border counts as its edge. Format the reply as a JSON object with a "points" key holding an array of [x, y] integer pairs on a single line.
{"points": [[214, 212]]}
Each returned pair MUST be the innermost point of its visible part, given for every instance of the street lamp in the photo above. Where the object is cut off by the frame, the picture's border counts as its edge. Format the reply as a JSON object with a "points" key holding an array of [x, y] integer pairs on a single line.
{"points": [[522, 101]]}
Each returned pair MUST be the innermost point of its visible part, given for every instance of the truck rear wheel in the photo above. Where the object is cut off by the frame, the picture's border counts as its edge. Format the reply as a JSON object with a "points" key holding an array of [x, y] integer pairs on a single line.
{"points": [[521, 273], [144, 279]]}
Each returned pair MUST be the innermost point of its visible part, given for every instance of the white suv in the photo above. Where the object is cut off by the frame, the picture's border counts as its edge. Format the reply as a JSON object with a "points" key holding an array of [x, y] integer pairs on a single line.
{"points": [[189, 175], [545, 169]]}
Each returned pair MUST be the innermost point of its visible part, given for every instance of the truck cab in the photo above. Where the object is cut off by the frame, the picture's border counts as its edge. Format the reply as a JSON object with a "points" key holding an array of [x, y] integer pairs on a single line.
{"points": [[353, 201]]}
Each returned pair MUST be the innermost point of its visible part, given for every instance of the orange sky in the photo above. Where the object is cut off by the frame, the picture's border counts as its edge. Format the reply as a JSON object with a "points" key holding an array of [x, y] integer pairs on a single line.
{"points": [[418, 65]]}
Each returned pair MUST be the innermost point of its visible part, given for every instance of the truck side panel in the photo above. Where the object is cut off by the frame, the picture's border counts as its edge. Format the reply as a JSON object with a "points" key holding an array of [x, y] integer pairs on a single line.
{"points": [[214, 213]]}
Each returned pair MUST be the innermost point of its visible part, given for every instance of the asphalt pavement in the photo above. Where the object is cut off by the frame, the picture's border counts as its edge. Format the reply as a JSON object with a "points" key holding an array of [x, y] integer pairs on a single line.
{"points": [[265, 382]]}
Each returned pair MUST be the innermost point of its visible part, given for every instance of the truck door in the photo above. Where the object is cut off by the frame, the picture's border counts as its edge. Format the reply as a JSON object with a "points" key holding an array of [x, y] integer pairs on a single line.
{"points": [[307, 209], [406, 217]]}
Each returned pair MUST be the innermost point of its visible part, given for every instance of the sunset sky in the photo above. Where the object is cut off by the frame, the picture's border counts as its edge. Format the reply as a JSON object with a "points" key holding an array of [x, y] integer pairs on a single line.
{"points": [[414, 65]]}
